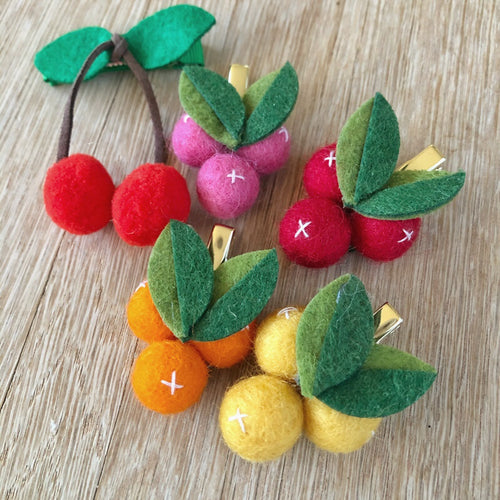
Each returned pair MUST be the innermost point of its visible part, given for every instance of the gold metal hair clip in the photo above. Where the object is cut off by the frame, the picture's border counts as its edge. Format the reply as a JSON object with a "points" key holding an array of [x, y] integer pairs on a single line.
{"points": [[387, 320], [429, 159], [238, 78], [219, 244]]}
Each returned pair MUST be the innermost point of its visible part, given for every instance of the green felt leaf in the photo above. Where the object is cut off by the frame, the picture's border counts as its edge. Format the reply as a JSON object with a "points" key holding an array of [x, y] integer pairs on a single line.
{"points": [[213, 103], [349, 152], [61, 60], [312, 330], [180, 277], [410, 194], [242, 287], [164, 37], [256, 92], [273, 108], [388, 382], [349, 337], [381, 150]]}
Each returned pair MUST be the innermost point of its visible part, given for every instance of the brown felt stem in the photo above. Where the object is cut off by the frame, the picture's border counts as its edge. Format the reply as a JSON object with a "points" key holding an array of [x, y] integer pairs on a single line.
{"points": [[120, 51]]}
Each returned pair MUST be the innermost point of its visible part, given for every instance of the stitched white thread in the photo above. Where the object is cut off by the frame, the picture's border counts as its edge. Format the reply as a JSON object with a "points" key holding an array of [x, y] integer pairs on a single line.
{"points": [[286, 312], [234, 176], [186, 118], [173, 386], [239, 417], [142, 284], [331, 158], [302, 228], [408, 235], [283, 130]]}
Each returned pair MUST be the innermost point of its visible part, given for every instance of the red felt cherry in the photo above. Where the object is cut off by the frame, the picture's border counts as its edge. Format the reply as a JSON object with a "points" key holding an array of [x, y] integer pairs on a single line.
{"points": [[146, 200], [320, 174], [77, 193], [315, 232], [383, 240]]}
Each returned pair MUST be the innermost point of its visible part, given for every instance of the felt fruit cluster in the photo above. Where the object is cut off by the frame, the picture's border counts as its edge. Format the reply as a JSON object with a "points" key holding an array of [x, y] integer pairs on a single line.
{"points": [[358, 199], [347, 381], [79, 194], [193, 315], [233, 139]]}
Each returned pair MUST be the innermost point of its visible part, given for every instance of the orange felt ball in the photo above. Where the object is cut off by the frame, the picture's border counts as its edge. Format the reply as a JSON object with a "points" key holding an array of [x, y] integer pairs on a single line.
{"points": [[169, 376], [144, 319], [229, 351]]}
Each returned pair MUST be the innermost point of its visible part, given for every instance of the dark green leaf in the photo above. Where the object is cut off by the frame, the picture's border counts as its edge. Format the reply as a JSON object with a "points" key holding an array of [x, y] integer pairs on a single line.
{"points": [[61, 60], [213, 103], [312, 330], [388, 382], [180, 277], [274, 106], [164, 37], [410, 194], [242, 288], [349, 337]]}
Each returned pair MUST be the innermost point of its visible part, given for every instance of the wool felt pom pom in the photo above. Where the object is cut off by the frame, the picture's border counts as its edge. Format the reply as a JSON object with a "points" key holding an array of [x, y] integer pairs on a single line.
{"points": [[275, 343], [315, 232], [383, 240], [320, 175], [227, 352], [77, 193], [269, 154], [261, 418], [333, 431], [227, 186], [191, 144], [169, 376], [144, 319], [146, 200]]}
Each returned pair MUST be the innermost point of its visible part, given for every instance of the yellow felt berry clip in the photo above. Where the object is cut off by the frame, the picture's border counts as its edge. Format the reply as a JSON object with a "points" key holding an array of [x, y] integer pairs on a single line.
{"points": [[196, 308], [347, 380]]}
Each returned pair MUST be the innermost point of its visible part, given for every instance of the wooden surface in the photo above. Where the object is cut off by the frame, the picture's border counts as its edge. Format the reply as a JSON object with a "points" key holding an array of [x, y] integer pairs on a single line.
{"points": [[70, 426]]}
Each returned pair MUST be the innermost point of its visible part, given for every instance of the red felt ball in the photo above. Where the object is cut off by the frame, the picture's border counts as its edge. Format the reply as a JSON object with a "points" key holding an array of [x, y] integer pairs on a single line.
{"points": [[146, 200], [320, 174], [383, 239], [315, 232], [77, 194]]}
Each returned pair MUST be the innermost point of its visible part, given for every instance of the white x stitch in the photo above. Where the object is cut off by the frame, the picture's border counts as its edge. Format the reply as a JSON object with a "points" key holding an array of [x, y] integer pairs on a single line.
{"points": [[239, 417], [173, 386], [234, 176], [331, 158], [302, 229], [408, 235], [286, 312], [283, 130]]}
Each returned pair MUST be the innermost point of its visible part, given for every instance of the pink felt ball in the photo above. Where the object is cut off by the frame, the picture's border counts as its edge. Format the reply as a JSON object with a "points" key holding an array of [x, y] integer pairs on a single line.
{"points": [[320, 174], [227, 186], [315, 232], [77, 193], [191, 144], [270, 154], [383, 240]]}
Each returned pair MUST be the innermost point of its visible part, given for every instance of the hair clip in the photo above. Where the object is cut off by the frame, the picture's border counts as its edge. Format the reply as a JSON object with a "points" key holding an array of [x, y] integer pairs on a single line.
{"points": [[79, 194], [347, 380], [356, 197], [169, 38], [233, 134], [195, 308]]}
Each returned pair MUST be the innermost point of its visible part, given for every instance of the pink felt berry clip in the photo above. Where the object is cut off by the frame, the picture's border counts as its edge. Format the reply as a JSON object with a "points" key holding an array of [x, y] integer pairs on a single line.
{"points": [[358, 199], [79, 194], [233, 134]]}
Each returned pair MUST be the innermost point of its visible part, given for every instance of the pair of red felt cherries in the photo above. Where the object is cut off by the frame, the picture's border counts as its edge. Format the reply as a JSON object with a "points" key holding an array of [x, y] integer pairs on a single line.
{"points": [[80, 195]]}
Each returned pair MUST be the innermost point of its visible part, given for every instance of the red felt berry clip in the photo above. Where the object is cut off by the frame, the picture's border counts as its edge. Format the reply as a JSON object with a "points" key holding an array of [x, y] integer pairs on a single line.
{"points": [[358, 198], [233, 134]]}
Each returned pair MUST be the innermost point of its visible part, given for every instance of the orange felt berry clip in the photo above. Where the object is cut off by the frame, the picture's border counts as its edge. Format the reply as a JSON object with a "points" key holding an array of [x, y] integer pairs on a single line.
{"points": [[196, 308], [330, 353], [79, 194]]}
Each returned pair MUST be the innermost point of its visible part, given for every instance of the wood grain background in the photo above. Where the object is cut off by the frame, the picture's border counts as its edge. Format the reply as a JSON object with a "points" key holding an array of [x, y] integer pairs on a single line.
{"points": [[70, 426]]}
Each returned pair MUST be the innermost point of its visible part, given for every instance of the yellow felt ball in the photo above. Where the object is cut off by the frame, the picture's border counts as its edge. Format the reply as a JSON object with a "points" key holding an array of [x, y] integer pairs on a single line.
{"points": [[261, 417], [275, 342], [335, 431]]}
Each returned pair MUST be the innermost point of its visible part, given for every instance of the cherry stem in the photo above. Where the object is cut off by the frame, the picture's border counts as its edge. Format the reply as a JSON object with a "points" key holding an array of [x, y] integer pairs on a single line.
{"points": [[120, 51]]}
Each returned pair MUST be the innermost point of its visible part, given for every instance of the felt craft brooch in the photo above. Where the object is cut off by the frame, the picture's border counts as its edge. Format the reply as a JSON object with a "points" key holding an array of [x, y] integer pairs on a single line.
{"points": [[79, 194], [329, 352], [195, 309], [233, 134], [358, 199]]}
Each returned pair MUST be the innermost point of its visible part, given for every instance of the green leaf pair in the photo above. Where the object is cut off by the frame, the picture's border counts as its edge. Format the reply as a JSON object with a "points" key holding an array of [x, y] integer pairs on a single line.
{"points": [[215, 105], [171, 37], [340, 364], [366, 156], [197, 303]]}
